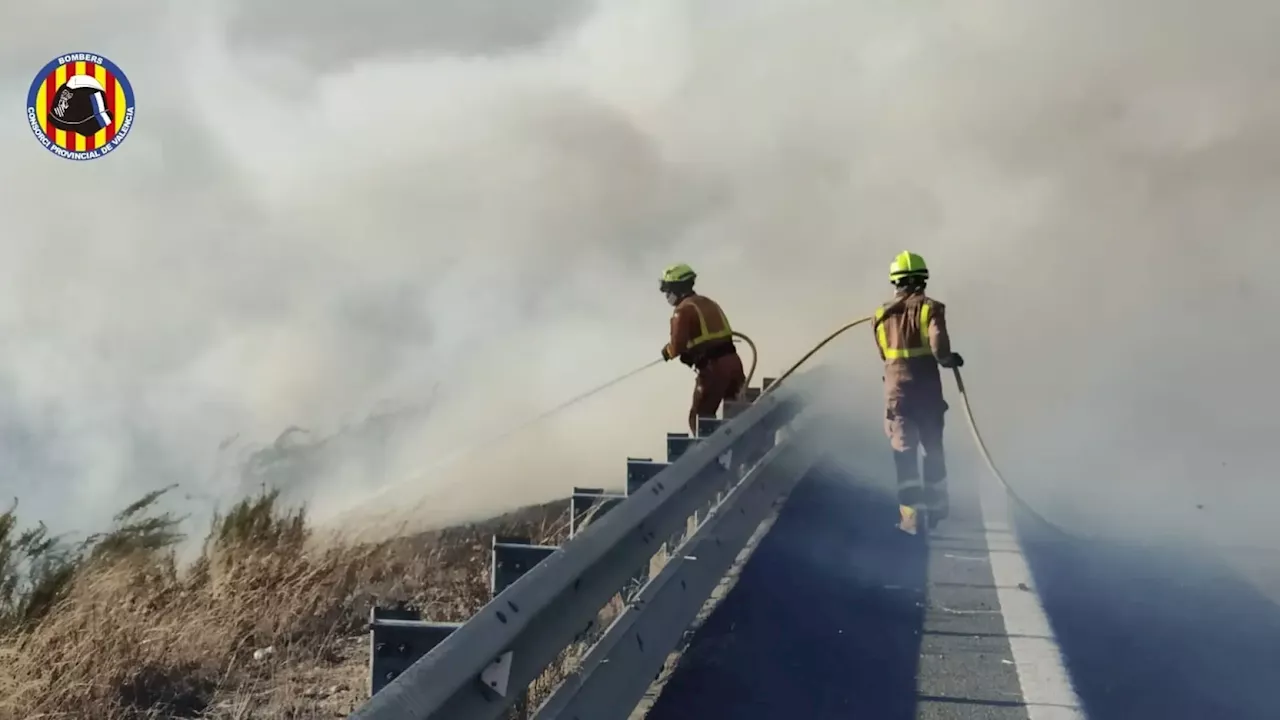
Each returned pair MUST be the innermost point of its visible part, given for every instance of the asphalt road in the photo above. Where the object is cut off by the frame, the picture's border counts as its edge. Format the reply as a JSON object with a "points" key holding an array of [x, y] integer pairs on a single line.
{"points": [[1170, 633], [839, 615]]}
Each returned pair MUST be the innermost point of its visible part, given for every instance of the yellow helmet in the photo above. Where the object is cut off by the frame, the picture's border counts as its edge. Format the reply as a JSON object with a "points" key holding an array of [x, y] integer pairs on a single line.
{"points": [[677, 275], [907, 265]]}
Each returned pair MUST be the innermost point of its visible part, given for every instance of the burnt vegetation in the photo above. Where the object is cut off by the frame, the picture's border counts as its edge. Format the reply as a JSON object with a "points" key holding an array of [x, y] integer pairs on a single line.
{"points": [[267, 621]]}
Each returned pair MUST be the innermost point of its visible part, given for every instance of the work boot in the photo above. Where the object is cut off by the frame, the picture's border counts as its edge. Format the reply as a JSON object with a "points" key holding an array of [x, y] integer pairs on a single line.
{"points": [[909, 519]]}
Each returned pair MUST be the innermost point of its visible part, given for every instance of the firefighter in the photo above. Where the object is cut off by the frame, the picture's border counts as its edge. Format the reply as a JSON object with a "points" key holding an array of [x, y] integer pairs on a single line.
{"points": [[702, 338], [911, 334]]}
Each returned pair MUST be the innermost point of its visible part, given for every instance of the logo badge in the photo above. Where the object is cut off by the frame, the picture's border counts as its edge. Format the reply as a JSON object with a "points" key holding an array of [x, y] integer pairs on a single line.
{"points": [[80, 106]]}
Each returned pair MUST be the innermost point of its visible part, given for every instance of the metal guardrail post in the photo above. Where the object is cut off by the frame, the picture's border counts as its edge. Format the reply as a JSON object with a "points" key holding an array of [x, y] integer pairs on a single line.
{"points": [[738, 465], [398, 636], [708, 425], [512, 557], [678, 444], [756, 447], [583, 500], [641, 471], [765, 384]]}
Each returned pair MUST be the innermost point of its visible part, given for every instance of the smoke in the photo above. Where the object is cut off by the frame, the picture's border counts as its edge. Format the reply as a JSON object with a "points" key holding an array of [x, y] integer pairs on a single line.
{"points": [[457, 211]]}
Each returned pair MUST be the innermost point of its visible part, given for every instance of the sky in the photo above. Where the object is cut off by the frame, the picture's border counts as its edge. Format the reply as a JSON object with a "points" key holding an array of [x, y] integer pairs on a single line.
{"points": [[448, 216]]}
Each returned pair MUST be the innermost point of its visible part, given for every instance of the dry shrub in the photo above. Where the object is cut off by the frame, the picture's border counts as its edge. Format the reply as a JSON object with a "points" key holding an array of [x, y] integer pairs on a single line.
{"points": [[268, 622]]}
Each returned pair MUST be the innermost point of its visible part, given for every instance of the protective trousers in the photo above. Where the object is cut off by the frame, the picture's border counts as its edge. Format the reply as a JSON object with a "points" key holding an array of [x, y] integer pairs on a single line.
{"points": [[919, 428], [719, 379]]}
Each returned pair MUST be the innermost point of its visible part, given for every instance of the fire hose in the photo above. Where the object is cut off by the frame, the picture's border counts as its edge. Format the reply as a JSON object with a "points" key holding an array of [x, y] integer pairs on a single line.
{"points": [[755, 357], [968, 412]]}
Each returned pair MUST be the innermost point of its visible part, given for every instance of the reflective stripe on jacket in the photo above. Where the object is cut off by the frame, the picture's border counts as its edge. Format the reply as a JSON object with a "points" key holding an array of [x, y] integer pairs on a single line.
{"points": [[698, 324], [912, 326], [916, 343]]}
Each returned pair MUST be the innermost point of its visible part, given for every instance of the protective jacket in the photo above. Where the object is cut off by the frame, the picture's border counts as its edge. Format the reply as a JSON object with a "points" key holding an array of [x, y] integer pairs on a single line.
{"points": [[700, 331], [911, 333]]}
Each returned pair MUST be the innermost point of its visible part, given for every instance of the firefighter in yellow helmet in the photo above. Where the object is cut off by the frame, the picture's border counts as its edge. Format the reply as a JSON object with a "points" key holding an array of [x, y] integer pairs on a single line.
{"points": [[911, 334], [702, 338]]}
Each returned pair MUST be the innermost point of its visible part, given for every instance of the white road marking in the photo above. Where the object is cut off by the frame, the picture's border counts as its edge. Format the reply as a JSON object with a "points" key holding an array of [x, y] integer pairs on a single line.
{"points": [[1046, 687]]}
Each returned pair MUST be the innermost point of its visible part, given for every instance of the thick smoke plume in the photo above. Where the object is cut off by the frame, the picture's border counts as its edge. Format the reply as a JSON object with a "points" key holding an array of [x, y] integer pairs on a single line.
{"points": [[449, 216]]}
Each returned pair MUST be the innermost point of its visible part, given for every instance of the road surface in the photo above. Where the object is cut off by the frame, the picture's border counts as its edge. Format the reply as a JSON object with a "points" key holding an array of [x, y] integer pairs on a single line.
{"points": [[837, 615]]}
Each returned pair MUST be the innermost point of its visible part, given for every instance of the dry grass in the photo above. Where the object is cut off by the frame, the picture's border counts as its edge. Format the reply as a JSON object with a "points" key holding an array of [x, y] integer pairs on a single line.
{"points": [[269, 622]]}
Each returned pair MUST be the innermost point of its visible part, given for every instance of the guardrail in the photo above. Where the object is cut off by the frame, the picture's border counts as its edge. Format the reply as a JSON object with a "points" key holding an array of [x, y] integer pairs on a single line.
{"points": [[698, 511]]}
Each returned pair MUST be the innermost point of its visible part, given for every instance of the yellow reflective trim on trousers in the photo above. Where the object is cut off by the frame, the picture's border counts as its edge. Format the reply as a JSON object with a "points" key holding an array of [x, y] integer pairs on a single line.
{"points": [[705, 335], [911, 352]]}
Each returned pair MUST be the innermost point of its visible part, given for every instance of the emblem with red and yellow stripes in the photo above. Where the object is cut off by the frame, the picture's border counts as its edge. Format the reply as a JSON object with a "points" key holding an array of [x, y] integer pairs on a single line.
{"points": [[80, 106]]}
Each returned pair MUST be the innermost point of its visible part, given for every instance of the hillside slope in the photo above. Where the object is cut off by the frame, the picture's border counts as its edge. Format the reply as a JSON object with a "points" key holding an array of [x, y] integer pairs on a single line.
{"points": [[268, 622]]}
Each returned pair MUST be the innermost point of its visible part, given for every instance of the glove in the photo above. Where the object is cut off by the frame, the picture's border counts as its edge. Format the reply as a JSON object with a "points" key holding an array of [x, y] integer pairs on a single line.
{"points": [[952, 361], [666, 353]]}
